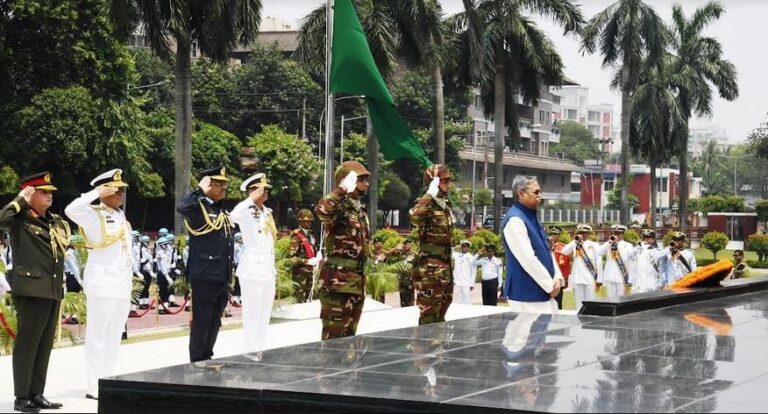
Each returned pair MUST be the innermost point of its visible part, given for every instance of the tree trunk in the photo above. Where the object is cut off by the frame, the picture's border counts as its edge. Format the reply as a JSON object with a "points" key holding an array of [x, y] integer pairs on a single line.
{"points": [[183, 104], [625, 117], [373, 167], [652, 224], [438, 115], [683, 180], [499, 102]]}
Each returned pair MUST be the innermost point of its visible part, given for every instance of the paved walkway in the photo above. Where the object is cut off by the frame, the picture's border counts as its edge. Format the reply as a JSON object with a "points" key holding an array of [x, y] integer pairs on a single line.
{"points": [[66, 372]]}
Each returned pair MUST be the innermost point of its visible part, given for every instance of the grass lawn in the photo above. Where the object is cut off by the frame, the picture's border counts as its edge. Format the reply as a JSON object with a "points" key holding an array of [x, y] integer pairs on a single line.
{"points": [[702, 253]]}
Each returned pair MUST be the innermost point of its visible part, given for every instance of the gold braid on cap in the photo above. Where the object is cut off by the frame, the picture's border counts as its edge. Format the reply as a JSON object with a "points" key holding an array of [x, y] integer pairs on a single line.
{"points": [[221, 221]]}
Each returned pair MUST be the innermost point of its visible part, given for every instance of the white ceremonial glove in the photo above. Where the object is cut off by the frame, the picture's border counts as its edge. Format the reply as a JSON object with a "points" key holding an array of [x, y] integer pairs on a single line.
{"points": [[313, 261], [434, 187], [349, 183], [154, 275], [168, 279], [177, 271]]}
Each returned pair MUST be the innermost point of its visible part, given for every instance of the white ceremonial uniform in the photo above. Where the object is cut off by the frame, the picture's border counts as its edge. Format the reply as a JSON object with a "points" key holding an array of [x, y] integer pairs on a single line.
{"points": [[673, 268], [4, 286], [613, 279], [648, 271], [519, 243], [582, 279], [106, 282], [136, 252], [464, 270], [491, 268], [256, 271]]}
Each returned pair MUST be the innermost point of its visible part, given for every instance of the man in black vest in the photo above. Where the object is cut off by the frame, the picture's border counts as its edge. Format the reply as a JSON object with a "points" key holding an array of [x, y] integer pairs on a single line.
{"points": [[211, 250], [39, 240]]}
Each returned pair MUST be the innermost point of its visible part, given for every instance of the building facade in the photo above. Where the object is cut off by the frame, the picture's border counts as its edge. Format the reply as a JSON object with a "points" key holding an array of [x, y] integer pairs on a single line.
{"points": [[598, 119]]}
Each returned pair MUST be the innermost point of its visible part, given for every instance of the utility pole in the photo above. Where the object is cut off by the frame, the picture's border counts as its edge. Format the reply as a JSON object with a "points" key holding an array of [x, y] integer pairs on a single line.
{"points": [[304, 119]]}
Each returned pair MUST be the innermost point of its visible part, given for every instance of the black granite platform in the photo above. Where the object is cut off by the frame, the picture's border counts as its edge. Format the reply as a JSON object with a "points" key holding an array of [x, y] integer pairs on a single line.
{"points": [[670, 297], [709, 356]]}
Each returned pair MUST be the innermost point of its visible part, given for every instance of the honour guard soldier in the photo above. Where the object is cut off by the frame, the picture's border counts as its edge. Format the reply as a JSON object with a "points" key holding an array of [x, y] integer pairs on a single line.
{"points": [[108, 272], [677, 260], [39, 239], [303, 249], [211, 250], [587, 269], [347, 231], [146, 266], [256, 270], [433, 217], [378, 255], [405, 282], [618, 262], [164, 261]]}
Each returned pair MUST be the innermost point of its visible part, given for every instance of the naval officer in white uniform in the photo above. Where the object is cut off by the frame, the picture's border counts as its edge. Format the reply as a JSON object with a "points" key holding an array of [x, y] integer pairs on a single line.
{"points": [[108, 272], [256, 269]]}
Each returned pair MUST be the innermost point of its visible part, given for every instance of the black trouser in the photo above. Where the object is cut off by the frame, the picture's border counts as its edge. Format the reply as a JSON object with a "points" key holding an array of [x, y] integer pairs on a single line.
{"points": [[36, 325], [72, 284], [559, 299], [490, 288], [208, 302], [147, 283], [165, 287]]}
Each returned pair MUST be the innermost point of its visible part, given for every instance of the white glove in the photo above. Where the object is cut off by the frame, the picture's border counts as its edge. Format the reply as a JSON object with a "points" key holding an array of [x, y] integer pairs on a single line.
{"points": [[434, 187], [177, 271], [349, 183], [168, 279], [154, 275], [313, 261]]}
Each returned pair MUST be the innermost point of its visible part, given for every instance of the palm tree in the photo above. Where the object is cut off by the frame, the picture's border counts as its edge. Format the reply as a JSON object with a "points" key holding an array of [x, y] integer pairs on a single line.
{"points": [[172, 28], [657, 121], [627, 33], [511, 56], [409, 28], [699, 66]]}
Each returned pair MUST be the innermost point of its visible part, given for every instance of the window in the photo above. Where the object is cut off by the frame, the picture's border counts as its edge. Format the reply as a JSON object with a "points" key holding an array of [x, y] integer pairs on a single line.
{"points": [[595, 130], [572, 114], [609, 185], [575, 187], [544, 117], [593, 116], [562, 180]]}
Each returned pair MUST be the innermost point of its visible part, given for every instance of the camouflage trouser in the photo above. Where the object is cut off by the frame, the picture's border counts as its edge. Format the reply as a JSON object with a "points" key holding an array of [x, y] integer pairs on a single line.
{"points": [[340, 313], [302, 276], [405, 282], [433, 282]]}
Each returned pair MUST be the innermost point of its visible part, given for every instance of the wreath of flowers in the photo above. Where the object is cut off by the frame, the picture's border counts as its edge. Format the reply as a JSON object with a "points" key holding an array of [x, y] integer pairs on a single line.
{"points": [[706, 275]]}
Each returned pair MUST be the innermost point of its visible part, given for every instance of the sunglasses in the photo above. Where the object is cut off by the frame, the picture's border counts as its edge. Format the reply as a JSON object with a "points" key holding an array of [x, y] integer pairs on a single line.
{"points": [[535, 192]]}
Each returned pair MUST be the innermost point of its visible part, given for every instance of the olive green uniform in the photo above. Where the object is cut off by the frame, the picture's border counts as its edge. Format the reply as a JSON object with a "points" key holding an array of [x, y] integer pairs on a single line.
{"points": [[39, 244], [342, 290], [432, 276], [405, 279]]}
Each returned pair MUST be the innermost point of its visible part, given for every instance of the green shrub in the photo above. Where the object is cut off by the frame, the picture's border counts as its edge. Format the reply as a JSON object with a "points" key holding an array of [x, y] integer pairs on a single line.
{"points": [[631, 236], [755, 264], [705, 262], [484, 237], [759, 244], [391, 238], [714, 241]]}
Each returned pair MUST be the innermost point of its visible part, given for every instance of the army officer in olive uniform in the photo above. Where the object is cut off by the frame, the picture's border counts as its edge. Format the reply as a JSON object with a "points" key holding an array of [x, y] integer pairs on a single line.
{"points": [[39, 240]]}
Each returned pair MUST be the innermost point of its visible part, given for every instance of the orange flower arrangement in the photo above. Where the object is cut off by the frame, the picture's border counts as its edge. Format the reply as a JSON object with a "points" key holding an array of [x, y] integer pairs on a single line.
{"points": [[706, 275]]}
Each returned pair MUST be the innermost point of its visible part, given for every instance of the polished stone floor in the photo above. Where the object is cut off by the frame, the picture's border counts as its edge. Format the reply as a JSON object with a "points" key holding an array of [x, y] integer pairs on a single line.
{"points": [[704, 357]]}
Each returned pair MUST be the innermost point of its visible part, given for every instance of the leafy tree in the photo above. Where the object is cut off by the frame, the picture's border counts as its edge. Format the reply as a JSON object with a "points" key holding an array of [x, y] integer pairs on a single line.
{"points": [[761, 208], [270, 89], [483, 197], [626, 32], [614, 197], [286, 160], [211, 84], [714, 241], [46, 44], [759, 244], [396, 194], [154, 79], [701, 68], [9, 181], [717, 203], [216, 27], [484, 237], [758, 141], [511, 56], [413, 98], [576, 143]]}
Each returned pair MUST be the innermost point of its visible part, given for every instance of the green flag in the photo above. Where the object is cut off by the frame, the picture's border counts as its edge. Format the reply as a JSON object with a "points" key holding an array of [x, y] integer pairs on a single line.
{"points": [[354, 71]]}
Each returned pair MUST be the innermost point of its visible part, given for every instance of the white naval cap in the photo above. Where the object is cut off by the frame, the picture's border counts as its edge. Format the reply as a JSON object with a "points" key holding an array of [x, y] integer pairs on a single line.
{"points": [[255, 181], [111, 178]]}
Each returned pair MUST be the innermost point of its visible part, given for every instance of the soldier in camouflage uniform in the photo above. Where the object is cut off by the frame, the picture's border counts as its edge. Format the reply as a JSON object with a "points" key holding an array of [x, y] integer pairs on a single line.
{"points": [[433, 217], [347, 230], [378, 254], [303, 249], [405, 281]]}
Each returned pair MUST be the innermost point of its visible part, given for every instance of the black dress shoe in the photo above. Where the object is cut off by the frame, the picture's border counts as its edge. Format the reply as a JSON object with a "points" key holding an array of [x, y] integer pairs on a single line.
{"points": [[90, 397], [142, 307], [25, 405], [173, 305], [43, 403]]}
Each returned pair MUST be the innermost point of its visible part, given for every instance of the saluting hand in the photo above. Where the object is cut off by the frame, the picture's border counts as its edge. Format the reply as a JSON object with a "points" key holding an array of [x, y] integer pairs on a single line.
{"points": [[349, 183], [256, 194], [26, 193], [205, 184], [434, 187], [106, 191]]}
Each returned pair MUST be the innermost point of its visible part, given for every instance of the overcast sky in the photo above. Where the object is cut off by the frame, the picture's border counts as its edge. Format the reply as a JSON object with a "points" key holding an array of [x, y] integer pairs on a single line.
{"points": [[742, 30]]}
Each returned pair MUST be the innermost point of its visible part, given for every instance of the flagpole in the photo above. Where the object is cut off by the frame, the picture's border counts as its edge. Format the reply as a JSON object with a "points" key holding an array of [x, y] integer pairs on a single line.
{"points": [[329, 101]]}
